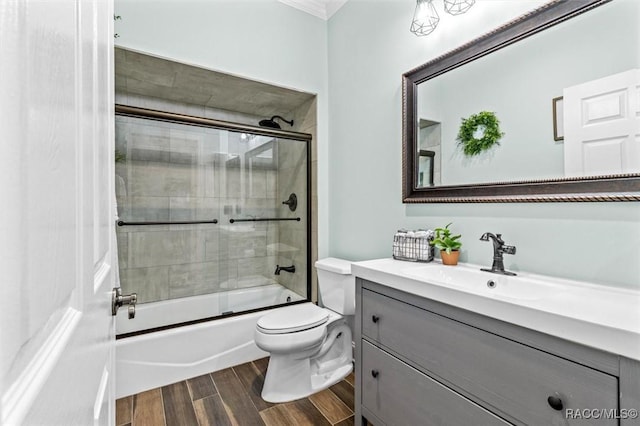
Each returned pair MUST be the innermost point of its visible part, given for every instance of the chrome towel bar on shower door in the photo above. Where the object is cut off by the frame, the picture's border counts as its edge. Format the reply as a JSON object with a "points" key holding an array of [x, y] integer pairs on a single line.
{"points": [[189, 222], [264, 219]]}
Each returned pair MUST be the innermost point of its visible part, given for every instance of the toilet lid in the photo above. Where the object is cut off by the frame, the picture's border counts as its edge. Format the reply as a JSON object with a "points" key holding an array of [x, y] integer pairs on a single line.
{"points": [[293, 318]]}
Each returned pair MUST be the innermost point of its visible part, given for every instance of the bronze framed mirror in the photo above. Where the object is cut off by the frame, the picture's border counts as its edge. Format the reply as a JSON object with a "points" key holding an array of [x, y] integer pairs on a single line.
{"points": [[518, 71]]}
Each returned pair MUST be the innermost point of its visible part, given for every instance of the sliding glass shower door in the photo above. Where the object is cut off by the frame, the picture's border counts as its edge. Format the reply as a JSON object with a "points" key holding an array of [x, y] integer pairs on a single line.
{"points": [[207, 216]]}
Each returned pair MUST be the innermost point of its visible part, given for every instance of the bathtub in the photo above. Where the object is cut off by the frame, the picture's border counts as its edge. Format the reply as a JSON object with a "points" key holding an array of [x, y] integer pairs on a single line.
{"points": [[160, 358]]}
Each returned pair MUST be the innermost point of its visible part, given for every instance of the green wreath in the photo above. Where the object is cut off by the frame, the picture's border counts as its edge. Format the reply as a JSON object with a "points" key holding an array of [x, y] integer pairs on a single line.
{"points": [[492, 134]]}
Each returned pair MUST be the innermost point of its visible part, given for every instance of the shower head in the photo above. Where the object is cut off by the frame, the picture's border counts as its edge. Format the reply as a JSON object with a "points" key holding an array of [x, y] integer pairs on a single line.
{"points": [[272, 124]]}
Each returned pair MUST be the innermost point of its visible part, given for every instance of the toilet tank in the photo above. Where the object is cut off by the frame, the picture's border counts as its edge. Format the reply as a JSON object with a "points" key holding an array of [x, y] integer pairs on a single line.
{"points": [[336, 285]]}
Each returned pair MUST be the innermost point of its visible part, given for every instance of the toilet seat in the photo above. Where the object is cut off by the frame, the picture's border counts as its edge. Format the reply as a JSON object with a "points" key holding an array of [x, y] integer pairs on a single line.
{"points": [[293, 319]]}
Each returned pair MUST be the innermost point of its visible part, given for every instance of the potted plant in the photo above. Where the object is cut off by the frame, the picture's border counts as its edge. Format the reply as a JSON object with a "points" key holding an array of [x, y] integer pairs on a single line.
{"points": [[449, 245]]}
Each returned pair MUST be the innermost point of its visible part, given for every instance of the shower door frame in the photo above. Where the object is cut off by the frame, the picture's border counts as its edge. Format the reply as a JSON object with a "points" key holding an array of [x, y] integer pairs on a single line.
{"points": [[151, 114]]}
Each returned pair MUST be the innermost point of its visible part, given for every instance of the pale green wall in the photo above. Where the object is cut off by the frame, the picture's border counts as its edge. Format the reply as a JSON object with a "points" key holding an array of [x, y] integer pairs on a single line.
{"points": [[359, 100], [261, 40], [369, 48]]}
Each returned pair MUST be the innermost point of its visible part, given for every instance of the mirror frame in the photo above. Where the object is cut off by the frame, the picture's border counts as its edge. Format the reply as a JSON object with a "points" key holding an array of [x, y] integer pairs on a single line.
{"points": [[623, 187]]}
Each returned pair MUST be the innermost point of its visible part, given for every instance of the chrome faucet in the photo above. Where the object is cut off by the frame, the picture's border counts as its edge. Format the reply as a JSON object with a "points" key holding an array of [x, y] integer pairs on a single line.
{"points": [[291, 269], [499, 247]]}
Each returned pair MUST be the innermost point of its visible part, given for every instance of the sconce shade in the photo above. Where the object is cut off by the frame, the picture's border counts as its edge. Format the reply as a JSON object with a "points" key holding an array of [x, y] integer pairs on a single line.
{"points": [[458, 7], [425, 18]]}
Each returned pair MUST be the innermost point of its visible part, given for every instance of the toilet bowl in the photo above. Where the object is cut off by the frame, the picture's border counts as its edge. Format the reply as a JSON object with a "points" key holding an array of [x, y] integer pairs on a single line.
{"points": [[310, 346]]}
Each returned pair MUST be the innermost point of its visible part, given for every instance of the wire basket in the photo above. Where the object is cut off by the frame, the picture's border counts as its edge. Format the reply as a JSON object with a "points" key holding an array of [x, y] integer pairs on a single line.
{"points": [[413, 246]]}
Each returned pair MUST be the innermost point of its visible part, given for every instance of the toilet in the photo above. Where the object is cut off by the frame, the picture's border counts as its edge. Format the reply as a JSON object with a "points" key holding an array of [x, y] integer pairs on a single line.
{"points": [[310, 346]]}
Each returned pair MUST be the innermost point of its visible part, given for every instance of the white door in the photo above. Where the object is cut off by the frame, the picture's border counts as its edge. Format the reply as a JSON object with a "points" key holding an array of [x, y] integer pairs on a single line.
{"points": [[602, 126], [56, 216]]}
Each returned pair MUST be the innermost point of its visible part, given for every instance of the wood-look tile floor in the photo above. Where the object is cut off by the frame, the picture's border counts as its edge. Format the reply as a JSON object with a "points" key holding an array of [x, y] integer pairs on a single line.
{"points": [[232, 397]]}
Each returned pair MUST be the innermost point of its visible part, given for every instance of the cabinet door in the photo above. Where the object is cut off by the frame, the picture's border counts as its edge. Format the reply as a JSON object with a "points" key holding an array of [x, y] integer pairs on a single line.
{"points": [[515, 379], [401, 395]]}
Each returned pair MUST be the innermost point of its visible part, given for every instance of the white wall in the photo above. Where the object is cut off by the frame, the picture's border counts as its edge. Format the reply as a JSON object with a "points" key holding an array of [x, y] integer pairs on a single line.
{"points": [[370, 46], [261, 40]]}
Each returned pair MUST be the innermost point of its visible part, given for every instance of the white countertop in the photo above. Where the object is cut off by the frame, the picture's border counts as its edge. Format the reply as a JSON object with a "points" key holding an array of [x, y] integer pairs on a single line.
{"points": [[602, 317]]}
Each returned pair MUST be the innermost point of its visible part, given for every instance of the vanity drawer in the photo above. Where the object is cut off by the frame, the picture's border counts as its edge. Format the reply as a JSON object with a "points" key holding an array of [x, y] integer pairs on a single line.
{"points": [[401, 395], [508, 377]]}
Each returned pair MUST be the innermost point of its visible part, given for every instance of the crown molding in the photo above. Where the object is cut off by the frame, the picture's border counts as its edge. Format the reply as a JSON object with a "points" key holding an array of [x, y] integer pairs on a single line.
{"points": [[322, 9]]}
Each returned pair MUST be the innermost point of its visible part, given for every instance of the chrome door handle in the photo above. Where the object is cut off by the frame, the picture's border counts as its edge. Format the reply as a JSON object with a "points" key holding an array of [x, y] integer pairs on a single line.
{"points": [[118, 300]]}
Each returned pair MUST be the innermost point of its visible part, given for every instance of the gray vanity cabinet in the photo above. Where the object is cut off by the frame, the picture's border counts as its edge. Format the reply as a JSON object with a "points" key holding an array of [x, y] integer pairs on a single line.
{"points": [[393, 390], [420, 362]]}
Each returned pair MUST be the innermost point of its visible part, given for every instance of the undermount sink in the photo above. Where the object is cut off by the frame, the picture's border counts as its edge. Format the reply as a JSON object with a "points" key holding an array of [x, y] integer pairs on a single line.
{"points": [[469, 278]]}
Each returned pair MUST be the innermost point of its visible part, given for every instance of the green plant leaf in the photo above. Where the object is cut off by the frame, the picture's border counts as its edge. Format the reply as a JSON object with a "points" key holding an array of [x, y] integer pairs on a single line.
{"points": [[470, 144]]}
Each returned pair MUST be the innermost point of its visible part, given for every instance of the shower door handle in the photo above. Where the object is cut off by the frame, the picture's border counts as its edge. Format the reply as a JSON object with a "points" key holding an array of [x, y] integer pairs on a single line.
{"points": [[118, 300]]}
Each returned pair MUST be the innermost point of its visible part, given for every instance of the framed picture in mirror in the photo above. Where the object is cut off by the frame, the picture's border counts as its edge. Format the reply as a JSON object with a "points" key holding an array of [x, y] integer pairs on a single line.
{"points": [[558, 119]]}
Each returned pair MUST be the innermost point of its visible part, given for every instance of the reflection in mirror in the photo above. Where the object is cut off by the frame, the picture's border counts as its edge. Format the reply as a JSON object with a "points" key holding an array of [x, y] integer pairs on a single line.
{"points": [[520, 81], [263, 154], [591, 62], [429, 153]]}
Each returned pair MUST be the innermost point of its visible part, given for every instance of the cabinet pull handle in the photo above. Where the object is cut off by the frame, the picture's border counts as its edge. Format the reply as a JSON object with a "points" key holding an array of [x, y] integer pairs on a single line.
{"points": [[375, 373], [375, 318], [555, 402]]}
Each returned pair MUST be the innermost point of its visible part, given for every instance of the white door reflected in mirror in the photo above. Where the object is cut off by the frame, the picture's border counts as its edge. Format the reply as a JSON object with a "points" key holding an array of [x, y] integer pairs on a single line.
{"points": [[602, 126]]}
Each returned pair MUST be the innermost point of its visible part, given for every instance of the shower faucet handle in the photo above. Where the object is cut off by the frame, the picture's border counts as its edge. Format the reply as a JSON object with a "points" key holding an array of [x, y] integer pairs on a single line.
{"points": [[292, 202], [118, 300]]}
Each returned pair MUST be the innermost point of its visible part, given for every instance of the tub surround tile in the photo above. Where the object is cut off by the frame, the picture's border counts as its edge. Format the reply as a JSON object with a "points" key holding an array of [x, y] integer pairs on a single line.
{"points": [[228, 272], [257, 183], [254, 267], [233, 182], [271, 185], [192, 279], [143, 209], [129, 229], [123, 249], [163, 248], [253, 281], [211, 242], [232, 116], [164, 180], [192, 208], [175, 81], [185, 145], [179, 174], [141, 156], [146, 141], [135, 64], [242, 245], [151, 284]]}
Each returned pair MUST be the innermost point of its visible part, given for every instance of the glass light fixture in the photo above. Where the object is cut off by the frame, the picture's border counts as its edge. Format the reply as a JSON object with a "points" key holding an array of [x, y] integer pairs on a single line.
{"points": [[458, 7], [425, 18]]}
